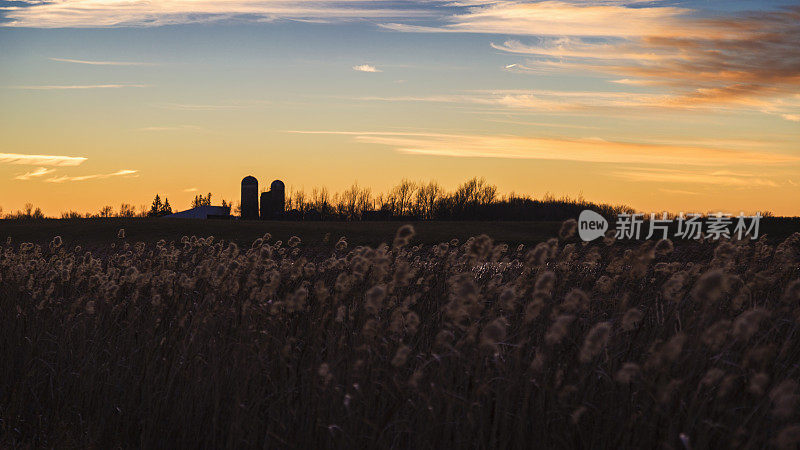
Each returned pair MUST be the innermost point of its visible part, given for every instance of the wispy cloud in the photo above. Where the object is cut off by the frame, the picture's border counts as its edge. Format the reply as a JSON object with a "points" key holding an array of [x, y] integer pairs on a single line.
{"points": [[101, 63], [41, 160], [693, 178], [677, 191], [38, 172], [172, 128], [192, 189], [560, 18], [539, 100], [366, 68], [198, 107], [120, 173], [792, 117], [580, 150], [79, 87], [106, 14], [742, 60]]}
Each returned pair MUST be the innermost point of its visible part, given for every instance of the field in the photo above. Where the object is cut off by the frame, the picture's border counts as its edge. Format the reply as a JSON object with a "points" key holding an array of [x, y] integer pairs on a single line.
{"points": [[149, 333], [104, 231]]}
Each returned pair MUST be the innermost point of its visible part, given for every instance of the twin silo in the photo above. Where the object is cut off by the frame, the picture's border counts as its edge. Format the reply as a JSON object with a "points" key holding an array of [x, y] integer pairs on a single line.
{"points": [[273, 202]]}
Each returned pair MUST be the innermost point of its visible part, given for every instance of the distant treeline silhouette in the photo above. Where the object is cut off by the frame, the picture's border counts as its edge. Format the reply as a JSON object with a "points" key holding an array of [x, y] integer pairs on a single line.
{"points": [[475, 199]]}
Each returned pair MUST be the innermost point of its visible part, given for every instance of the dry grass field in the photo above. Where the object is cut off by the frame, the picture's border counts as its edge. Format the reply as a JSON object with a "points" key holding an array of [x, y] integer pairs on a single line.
{"points": [[152, 334], [89, 232]]}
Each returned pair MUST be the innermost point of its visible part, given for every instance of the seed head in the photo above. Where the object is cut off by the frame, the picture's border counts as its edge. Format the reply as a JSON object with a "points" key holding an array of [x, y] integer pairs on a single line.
{"points": [[494, 333], [710, 287], [748, 323], [627, 373], [758, 384], [595, 341], [788, 438], [576, 300], [784, 399], [374, 299], [558, 330], [664, 247], [545, 282], [401, 356], [403, 236], [712, 377], [568, 228], [792, 293]]}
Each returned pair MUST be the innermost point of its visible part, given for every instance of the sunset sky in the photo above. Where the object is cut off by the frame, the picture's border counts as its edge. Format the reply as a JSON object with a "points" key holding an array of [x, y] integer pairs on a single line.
{"points": [[660, 105]]}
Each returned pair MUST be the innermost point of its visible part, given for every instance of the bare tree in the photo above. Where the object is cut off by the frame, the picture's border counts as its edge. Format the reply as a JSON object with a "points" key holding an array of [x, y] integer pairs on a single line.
{"points": [[71, 215], [427, 197], [321, 200], [349, 202], [106, 211], [364, 201], [300, 200], [403, 194], [127, 210]]}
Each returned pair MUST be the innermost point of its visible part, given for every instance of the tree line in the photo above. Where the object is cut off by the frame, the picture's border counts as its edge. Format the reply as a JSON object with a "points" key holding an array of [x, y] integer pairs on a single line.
{"points": [[475, 199]]}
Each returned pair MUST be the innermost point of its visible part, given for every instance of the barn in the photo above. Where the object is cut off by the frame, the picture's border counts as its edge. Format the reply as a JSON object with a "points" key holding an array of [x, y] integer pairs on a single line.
{"points": [[203, 212]]}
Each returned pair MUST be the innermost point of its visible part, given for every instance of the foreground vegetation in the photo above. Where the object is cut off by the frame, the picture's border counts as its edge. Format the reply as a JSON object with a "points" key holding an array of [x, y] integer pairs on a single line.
{"points": [[201, 342]]}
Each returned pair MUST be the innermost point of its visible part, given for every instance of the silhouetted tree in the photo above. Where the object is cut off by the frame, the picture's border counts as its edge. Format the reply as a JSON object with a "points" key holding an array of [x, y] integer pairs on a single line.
{"points": [[167, 209], [71, 215], [353, 202], [199, 200], [155, 209], [298, 201], [364, 201], [403, 193], [321, 201], [126, 210], [427, 197], [29, 213], [158, 208], [106, 211]]}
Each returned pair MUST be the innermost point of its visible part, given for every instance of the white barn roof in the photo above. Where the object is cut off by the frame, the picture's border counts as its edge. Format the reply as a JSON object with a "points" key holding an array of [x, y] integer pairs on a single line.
{"points": [[202, 212]]}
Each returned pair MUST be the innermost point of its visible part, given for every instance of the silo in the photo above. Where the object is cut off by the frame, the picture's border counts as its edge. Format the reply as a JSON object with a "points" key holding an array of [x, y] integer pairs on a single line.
{"points": [[278, 198], [266, 206], [249, 198]]}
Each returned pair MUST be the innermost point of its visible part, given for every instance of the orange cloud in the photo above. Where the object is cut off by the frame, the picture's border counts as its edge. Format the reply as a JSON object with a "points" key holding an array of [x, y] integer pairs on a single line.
{"points": [[103, 14], [693, 178], [580, 150], [746, 60], [41, 160], [119, 173], [40, 171]]}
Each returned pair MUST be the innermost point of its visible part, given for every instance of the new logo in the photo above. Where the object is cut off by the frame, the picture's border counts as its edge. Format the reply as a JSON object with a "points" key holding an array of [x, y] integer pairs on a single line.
{"points": [[591, 225]]}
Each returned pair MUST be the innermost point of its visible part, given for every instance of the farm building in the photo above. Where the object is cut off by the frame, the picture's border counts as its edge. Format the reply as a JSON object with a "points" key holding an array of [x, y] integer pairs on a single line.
{"points": [[203, 212]]}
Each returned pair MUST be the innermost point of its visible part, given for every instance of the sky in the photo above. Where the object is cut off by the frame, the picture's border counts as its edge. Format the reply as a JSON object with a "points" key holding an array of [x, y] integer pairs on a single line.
{"points": [[660, 105]]}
